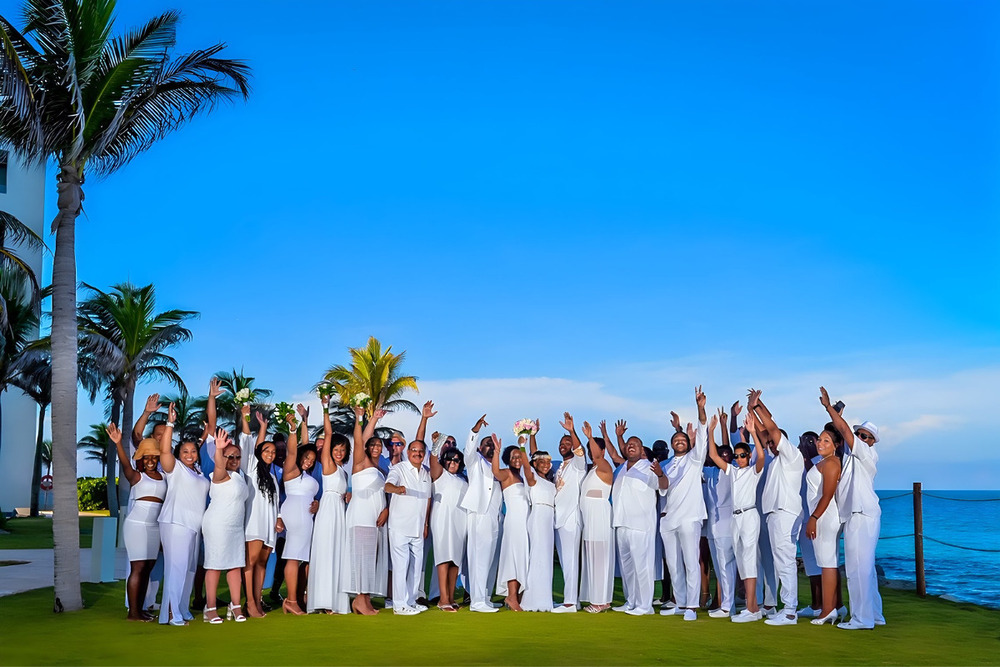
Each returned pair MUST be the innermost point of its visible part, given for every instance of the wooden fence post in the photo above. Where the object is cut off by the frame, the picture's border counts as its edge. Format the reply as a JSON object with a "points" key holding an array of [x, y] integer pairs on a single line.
{"points": [[918, 539]]}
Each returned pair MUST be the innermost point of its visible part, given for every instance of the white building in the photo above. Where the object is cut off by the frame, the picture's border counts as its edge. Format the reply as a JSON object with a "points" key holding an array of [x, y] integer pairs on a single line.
{"points": [[22, 194]]}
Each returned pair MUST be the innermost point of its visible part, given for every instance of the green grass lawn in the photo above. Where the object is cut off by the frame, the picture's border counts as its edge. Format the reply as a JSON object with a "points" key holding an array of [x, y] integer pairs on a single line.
{"points": [[928, 632], [36, 533]]}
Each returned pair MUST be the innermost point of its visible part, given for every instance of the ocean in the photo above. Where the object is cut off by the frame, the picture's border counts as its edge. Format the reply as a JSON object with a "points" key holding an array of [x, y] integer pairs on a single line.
{"points": [[966, 519]]}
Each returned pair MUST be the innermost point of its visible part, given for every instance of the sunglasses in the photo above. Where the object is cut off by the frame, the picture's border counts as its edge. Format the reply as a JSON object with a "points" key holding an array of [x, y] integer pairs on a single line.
{"points": [[447, 461], [234, 456], [742, 455], [864, 436]]}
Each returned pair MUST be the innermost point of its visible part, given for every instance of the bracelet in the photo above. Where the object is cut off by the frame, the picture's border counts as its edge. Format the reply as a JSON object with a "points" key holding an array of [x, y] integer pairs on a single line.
{"points": [[170, 424], [814, 517]]}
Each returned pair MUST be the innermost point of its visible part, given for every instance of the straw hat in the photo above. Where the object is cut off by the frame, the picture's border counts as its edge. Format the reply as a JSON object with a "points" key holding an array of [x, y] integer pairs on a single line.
{"points": [[148, 447]]}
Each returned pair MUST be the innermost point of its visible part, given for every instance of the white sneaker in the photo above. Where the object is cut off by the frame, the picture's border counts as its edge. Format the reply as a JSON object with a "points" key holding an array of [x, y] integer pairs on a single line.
{"points": [[420, 607], [747, 616], [623, 607], [852, 625], [635, 611], [669, 604], [670, 611], [784, 618], [690, 615], [388, 603], [808, 612], [484, 607], [564, 609], [718, 613], [404, 611], [769, 612]]}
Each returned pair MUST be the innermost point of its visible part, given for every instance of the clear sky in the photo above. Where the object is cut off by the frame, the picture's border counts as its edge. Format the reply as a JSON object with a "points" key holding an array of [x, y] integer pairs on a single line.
{"points": [[592, 206]]}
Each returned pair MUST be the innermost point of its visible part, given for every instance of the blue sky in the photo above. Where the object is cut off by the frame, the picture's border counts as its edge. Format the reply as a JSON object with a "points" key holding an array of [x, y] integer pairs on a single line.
{"points": [[592, 206]]}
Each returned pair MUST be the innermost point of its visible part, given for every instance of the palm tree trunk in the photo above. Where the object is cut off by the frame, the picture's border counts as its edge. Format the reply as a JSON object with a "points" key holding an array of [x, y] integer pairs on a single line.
{"points": [[66, 508], [36, 466], [111, 458], [123, 486]]}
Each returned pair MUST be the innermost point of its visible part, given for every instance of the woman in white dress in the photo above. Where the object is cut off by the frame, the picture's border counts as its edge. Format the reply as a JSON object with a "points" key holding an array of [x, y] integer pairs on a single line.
{"points": [[296, 515], [824, 516], [329, 553], [180, 523], [261, 508], [598, 572], [367, 513], [140, 528], [541, 533], [512, 573], [223, 530], [448, 520]]}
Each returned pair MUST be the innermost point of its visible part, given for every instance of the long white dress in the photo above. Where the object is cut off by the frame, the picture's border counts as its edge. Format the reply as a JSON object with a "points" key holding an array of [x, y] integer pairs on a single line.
{"points": [[222, 527], [367, 545], [299, 494], [514, 540], [261, 512], [828, 524], [329, 548], [598, 572], [448, 520], [541, 546]]}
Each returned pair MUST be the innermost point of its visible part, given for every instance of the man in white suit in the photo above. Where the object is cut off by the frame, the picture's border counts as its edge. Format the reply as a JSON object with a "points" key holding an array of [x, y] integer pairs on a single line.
{"points": [[482, 502]]}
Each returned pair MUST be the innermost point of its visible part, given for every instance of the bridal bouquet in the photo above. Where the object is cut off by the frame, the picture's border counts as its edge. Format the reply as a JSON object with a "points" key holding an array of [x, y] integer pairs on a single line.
{"points": [[525, 427], [362, 400], [326, 390], [280, 415], [243, 397]]}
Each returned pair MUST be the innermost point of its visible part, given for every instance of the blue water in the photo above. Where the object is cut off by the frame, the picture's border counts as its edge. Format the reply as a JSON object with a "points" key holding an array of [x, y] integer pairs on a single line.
{"points": [[967, 519]]}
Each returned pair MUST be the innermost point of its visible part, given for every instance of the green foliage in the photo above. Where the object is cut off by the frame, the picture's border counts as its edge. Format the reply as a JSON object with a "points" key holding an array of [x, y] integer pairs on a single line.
{"points": [[92, 493], [375, 372]]}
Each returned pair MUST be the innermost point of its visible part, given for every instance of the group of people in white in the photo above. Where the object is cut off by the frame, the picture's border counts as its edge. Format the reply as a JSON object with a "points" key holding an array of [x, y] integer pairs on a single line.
{"points": [[492, 516]]}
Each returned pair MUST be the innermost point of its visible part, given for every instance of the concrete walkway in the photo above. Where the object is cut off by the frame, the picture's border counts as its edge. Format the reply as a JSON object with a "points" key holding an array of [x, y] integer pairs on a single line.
{"points": [[37, 570]]}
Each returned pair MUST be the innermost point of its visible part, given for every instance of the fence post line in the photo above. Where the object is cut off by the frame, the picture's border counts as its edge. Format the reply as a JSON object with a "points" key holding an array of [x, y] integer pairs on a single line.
{"points": [[918, 539]]}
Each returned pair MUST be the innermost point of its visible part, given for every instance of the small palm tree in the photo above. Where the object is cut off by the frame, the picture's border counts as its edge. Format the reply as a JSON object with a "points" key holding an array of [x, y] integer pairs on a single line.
{"points": [[374, 372], [227, 411], [73, 93], [21, 329], [190, 414], [95, 445], [46, 457], [16, 234], [124, 337]]}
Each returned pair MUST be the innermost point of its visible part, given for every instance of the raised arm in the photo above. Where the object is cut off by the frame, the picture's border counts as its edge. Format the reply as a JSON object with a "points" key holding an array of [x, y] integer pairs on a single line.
{"points": [[498, 472], [152, 405], [214, 391], [765, 420], [304, 425], [838, 419], [596, 453], [373, 424], [713, 451], [532, 441], [675, 421], [470, 445], [425, 414], [167, 460], [131, 474], [291, 468], [620, 428], [222, 440], [750, 425], [325, 456], [358, 448], [435, 465], [724, 421], [527, 472]]}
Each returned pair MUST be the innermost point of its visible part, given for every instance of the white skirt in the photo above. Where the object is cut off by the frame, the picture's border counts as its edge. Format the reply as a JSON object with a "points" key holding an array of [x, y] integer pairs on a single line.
{"points": [[142, 531], [825, 544], [368, 571]]}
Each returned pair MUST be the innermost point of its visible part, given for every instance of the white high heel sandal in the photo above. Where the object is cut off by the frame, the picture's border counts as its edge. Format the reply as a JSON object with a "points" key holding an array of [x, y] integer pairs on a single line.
{"points": [[206, 619], [235, 613]]}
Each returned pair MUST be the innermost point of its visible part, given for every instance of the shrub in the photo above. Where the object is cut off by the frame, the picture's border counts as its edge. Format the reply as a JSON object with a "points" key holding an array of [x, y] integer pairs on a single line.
{"points": [[92, 493]]}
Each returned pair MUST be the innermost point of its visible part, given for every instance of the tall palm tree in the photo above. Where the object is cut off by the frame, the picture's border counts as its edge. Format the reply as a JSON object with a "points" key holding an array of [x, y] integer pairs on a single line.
{"points": [[375, 372], [123, 334], [95, 445], [90, 102], [21, 329], [227, 411]]}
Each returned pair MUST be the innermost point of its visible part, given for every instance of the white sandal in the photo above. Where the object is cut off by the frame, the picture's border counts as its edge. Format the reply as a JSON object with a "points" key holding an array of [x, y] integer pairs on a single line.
{"points": [[235, 614], [206, 619]]}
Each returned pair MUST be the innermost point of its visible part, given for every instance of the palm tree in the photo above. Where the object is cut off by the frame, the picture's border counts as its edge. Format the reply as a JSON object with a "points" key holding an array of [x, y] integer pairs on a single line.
{"points": [[374, 372], [72, 93], [47, 455], [190, 413], [21, 329], [124, 336], [227, 411], [95, 445], [13, 232]]}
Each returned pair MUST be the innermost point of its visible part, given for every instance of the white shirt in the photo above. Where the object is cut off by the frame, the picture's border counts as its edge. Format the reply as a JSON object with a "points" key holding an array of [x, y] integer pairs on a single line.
{"points": [[569, 477], [718, 490], [685, 499], [408, 512], [483, 495], [744, 485], [784, 481], [856, 490], [187, 495], [633, 497]]}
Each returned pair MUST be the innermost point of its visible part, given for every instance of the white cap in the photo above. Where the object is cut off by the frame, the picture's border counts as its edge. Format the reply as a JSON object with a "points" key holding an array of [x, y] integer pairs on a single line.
{"points": [[868, 426]]}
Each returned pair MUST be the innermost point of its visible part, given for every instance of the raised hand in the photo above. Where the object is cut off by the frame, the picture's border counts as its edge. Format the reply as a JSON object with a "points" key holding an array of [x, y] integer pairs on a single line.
{"points": [[735, 409], [753, 397], [824, 398], [655, 467], [359, 413], [723, 418], [260, 418], [245, 410], [620, 427], [215, 388], [172, 414], [567, 422], [153, 403], [428, 410], [538, 424], [714, 421], [479, 424], [750, 423], [690, 432], [303, 411], [378, 414], [699, 397], [675, 421], [222, 439], [587, 430], [496, 442], [290, 418], [114, 433]]}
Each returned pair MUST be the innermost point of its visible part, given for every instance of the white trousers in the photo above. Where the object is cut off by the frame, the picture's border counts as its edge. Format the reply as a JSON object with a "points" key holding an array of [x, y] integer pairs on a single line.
{"points": [[407, 558], [746, 534], [860, 539], [724, 562], [681, 551], [484, 533], [767, 594], [635, 549], [568, 550], [783, 531], [180, 560]]}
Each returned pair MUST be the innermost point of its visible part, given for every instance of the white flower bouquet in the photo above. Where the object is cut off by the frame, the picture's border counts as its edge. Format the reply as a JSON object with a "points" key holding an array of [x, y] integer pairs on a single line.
{"points": [[362, 400], [243, 397], [326, 390], [280, 415], [525, 427]]}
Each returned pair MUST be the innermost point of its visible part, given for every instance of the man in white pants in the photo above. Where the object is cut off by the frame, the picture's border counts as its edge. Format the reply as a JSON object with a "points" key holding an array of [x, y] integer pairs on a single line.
{"points": [[719, 525], [482, 502], [862, 518], [409, 483], [568, 522], [684, 514], [782, 509], [633, 507]]}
